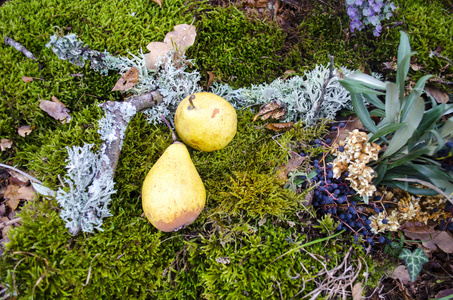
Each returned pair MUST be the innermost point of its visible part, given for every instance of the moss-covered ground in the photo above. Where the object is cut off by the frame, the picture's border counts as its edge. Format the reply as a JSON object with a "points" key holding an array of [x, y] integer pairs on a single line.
{"points": [[233, 249]]}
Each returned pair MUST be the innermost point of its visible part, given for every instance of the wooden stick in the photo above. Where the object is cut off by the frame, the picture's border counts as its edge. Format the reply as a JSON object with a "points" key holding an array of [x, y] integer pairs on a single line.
{"points": [[10, 222], [9, 41]]}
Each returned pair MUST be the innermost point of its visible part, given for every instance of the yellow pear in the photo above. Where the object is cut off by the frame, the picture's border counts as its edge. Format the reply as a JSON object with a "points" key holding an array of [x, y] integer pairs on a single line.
{"points": [[205, 121], [173, 194]]}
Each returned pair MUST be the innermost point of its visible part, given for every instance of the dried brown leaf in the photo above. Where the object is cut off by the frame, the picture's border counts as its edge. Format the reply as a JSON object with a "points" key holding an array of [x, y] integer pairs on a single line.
{"points": [[18, 178], [27, 79], [293, 164], [441, 239], [127, 81], [5, 231], [210, 79], [444, 293], [56, 109], [182, 37], [14, 194], [159, 2], [440, 96], [280, 126], [24, 130], [416, 227], [444, 68], [5, 144], [272, 110], [415, 67], [390, 65], [402, 274], [357, 291]]}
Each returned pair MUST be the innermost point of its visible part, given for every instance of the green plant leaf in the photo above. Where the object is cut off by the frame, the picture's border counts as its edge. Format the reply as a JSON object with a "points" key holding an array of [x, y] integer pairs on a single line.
{"points": [[373, 99], [408, 157], [417, 91], [440, 141], [447, 129], [367, 81], [355, 87], [409, 188], [389, 128], [403, 134], [445, 185], [430, 118], [362, 112], [392, 102], [431, 172], [380, 170], [404, 50], [378, 113], [414, 261]]}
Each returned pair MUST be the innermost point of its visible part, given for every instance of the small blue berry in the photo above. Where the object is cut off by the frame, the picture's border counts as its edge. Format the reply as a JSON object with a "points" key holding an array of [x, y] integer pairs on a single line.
{"points": [[381, 239], [317, 141], [341, 148], [384, 221], [334, 127], [341, 124], [328, 141]]}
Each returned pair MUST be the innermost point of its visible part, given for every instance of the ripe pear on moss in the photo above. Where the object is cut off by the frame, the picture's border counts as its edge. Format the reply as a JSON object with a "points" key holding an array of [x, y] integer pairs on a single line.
{"points": [[173, 194], [205, 121]]}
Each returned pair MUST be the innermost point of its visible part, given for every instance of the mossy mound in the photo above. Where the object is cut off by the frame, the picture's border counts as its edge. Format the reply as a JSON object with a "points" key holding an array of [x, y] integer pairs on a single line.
{"points": [[229, 252]]}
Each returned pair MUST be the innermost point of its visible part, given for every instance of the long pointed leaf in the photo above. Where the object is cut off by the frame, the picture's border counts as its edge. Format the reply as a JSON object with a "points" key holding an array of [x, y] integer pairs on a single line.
{"points": [[389, 128], [380, 171], [367, 80], [410, 188], [378, 113], [408, 157], [417, 91], [353, 86], [362, 112], [447, 129], [403, 134], [392, 102], [373, 99], [404, 49], [431, 172]]}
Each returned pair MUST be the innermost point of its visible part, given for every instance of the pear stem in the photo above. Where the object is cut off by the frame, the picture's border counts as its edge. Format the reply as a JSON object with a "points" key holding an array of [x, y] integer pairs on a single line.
{"points": [[190, 100], [173, 135]]}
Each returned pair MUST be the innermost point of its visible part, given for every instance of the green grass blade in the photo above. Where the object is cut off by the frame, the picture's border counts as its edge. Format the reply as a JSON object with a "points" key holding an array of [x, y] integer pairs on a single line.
{"points": [[392, 102], [389, 128], [362, 112]]}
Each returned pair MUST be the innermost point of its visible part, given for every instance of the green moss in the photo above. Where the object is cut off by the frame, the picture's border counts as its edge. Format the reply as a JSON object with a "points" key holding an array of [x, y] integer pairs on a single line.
{"points": [[239, 51]]}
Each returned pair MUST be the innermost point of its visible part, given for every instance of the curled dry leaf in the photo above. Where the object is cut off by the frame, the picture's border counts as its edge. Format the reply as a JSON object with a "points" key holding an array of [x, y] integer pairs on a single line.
{"points": [[210, 79], [127, 81], [56, 109], [159, 2], [24, 130], [440, 96], [5, 144], [182, 37], [441, 239], [292, 165], [27, 79], [280, 126], [273, 110], [415, 67]]}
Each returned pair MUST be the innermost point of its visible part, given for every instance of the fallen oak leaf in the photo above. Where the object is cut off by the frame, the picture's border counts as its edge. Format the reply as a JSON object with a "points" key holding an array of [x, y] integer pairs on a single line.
{"points": [[280, 126], [179, 39], [402, 274], [357, 291], [273, 110], [210, 79], [24, 130], [14, 194], [56, 109], [416, 227], [127, 81]]}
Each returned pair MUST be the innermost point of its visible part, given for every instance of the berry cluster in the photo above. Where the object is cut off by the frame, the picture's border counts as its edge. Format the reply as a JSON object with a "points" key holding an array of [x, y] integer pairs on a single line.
{"points": [[336, 197], [362, 13]]}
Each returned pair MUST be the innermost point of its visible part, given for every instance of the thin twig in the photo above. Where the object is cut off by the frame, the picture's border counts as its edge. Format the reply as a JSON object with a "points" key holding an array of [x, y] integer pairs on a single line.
{"points": [[10, 222], [89, 271], [23, 173], [19, 47]]}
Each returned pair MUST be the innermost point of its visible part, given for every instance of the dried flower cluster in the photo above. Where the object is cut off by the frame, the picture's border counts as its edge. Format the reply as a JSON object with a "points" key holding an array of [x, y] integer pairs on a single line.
{"points": [[409, 209], [352, 155]]}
